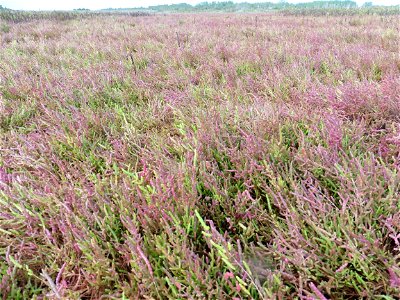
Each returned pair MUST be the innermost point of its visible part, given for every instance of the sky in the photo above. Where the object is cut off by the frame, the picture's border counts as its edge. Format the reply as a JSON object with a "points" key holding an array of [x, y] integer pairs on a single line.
{"points": [[99, 4]]}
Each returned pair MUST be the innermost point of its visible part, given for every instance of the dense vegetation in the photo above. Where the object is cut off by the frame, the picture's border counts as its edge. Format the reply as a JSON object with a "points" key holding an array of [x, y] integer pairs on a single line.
{"points": [[245, 6], [17, 16], [200, 156], [334, 7], [328, 7]]}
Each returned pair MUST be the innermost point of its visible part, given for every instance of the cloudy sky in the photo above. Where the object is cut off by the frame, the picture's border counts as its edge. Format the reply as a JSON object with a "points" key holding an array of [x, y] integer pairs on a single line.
{"points": [[98, 4]]}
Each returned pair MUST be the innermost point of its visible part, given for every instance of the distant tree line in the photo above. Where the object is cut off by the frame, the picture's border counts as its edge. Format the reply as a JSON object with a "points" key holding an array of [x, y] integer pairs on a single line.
{"points": [[335, 7], [245, 6]]}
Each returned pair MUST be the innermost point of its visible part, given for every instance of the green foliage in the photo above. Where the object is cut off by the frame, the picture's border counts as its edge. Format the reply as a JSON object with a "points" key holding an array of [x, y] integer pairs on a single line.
{"points": [[5, 28], [19, 119]]}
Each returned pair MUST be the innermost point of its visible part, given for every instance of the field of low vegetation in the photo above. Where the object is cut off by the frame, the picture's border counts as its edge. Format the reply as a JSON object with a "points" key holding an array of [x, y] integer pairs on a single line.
{"points": [[200, 156]]}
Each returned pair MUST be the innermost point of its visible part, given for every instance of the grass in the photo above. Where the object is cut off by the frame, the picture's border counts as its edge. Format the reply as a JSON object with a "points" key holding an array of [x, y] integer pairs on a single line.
{"points": [[250, 162]]}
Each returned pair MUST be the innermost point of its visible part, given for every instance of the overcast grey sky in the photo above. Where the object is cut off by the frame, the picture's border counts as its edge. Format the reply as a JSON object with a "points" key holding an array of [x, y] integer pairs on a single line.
{"points": [[98, 4]]}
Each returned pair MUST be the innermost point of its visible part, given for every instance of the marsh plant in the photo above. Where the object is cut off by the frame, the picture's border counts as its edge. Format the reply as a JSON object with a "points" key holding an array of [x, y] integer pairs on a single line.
{"points": [[254, 160]]}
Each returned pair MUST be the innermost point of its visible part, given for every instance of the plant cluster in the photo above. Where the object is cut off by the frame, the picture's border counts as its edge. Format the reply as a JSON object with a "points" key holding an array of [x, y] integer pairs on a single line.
{"points": [[200, 156], [17, 16]]}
